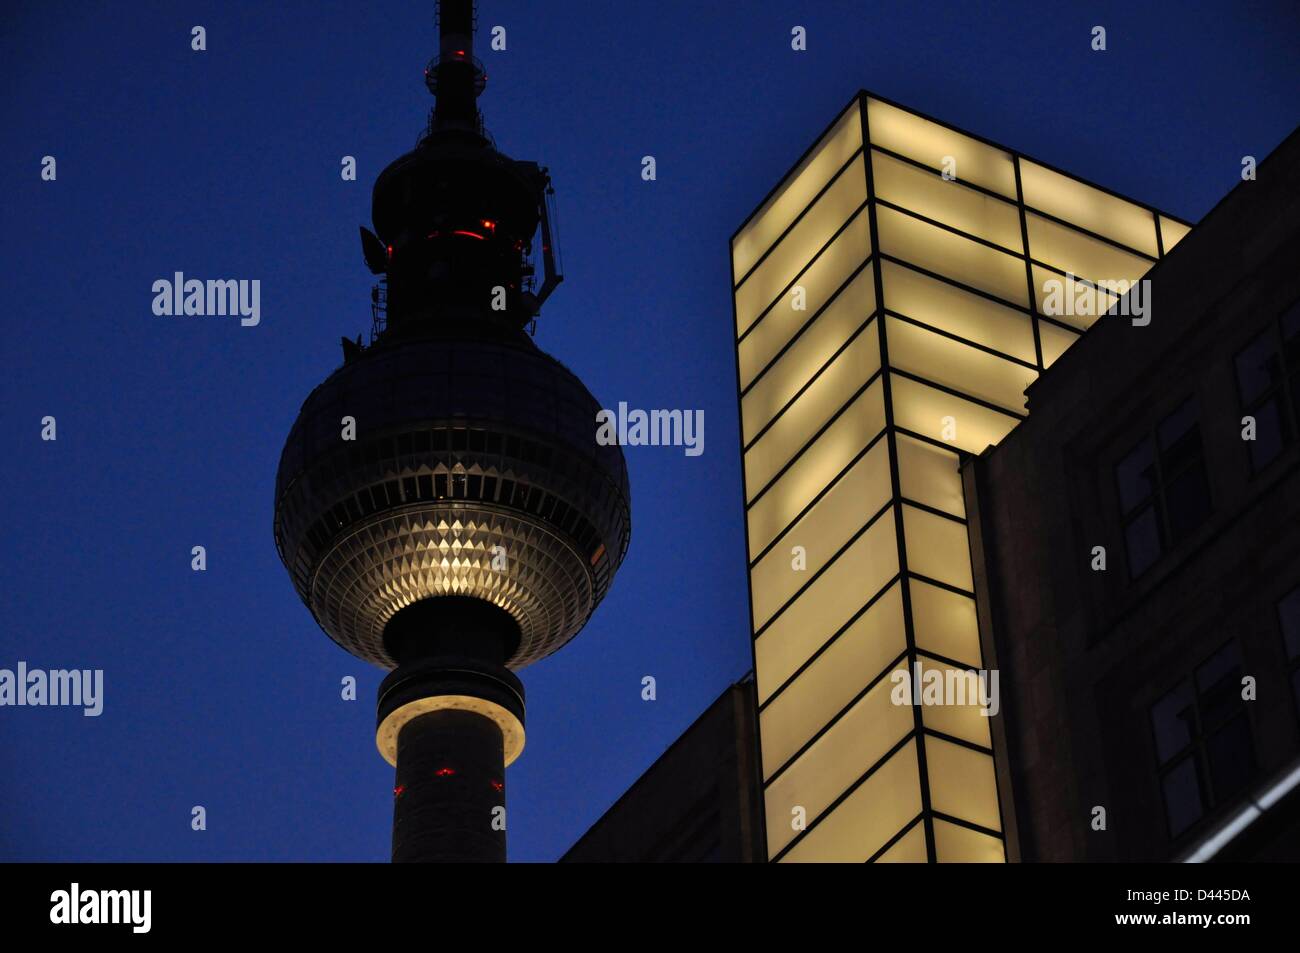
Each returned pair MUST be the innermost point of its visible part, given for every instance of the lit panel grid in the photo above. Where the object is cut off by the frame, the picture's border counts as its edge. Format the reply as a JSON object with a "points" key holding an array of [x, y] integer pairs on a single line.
{"points": [[827, 767], [810, 233], [1088, 301], [890, 299], [815, 539], [797, 191], [1070, 200], [1073, 252], [951, 310], [950, 203], [1172, 232], [828, 390], [1055, 341], [865, 820], [806, 477], [909, 848], [829, 602], [798, 346], [832, 678]]}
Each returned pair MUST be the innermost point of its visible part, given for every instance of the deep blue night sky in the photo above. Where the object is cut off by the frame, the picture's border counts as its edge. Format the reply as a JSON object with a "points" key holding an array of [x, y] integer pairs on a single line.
{"points": [[220, 689]]}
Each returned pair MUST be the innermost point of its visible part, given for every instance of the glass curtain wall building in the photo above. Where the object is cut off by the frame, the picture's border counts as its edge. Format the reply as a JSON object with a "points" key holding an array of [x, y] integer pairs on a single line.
{"points": [[892, 303]]}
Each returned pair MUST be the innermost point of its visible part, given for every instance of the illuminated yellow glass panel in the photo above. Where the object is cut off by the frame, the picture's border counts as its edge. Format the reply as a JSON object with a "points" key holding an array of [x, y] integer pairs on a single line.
{"points": [[929, 143], [800, 187], [835, 760], [841, 317], [1171, 232], [961, 845], [810, 352], [825, 606], [937, 547], [789, 256], [929, 474], [910, 848], [960, 714], [797, 424], [1081, 254], [945, 253], [1077, 302], [962, 783], [814, 469], [945, 622], [1055, 340], [878, 808], [860, 653], [956, 365], [958, 312], [935, 414], [1088, 207], [950, 202], [846, 507]]}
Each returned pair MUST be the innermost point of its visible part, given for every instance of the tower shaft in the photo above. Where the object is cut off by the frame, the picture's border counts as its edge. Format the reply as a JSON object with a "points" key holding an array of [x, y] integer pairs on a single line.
{"points": [[457, 79], [449, 802], [450, 720]]}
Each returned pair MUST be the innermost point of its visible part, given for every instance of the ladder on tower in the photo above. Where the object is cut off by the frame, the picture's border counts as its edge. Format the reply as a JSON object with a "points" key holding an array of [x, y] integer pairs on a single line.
{"points": [[378, 310]]}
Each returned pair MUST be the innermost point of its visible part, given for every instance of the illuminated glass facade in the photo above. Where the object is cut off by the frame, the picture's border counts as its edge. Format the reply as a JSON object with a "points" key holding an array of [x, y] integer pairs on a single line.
{"points": [[887, 319]]}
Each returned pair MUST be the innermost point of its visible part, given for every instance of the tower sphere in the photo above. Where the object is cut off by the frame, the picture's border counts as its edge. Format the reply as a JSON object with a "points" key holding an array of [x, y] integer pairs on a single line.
{"points": [[475, 472]]}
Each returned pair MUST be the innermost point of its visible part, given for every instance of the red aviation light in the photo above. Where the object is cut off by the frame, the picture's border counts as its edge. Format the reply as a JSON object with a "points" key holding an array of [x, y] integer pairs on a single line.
{"points": [[445, 772], [498, 786], [490, 225], [399, 790]]}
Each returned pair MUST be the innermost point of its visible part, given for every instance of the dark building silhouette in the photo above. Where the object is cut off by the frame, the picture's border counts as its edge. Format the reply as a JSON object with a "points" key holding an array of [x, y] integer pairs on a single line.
{"points": [[698, 803], [1150, 709], [1122, 688]]}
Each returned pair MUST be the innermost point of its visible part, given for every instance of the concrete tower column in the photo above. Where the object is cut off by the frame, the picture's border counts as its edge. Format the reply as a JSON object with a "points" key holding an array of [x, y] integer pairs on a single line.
{"points": [[450, 718]]}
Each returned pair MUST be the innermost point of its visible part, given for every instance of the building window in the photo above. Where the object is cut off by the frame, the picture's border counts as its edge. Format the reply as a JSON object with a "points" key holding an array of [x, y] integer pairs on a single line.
{"points": [[1288, 612], [1204, 748], [1268, 384], [1164, 492]]}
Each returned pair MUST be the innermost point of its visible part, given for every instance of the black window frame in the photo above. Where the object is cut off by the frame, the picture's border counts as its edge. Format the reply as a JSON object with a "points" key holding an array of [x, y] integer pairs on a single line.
{"points": [[1200, 737], [1164, 473], [1284, 390]]}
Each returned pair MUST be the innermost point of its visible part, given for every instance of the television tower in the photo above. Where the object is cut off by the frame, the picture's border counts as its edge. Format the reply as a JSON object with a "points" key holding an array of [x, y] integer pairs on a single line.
{"points": [[442, 504]]}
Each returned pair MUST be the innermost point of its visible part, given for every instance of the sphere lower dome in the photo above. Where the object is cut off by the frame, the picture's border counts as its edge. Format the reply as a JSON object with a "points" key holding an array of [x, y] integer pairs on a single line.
{"points": [[475, 471]]}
